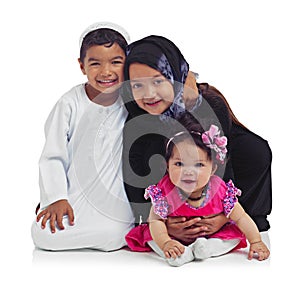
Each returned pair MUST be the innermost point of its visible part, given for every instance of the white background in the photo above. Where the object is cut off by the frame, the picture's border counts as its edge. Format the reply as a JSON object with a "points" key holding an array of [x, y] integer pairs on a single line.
{"points": [[249, 50]]}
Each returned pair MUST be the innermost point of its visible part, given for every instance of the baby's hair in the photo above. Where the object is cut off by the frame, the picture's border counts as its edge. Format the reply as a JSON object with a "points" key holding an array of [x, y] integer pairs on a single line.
{"points": [[102, 36], [192, 131]]}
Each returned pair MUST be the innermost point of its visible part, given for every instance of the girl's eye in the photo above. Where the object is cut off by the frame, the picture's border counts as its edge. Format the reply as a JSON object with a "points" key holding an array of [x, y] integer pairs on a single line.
{"points": [[158, 81], [178, 164], [136, 85]]}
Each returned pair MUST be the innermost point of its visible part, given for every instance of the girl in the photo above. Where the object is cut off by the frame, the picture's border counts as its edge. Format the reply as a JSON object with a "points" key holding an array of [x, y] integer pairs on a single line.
{"points": [[191, 189], [155, 71]]}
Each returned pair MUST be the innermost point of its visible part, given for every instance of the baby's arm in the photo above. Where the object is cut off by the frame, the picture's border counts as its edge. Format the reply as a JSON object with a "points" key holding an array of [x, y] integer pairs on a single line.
{"points": [[249, 228], [159, 233]]}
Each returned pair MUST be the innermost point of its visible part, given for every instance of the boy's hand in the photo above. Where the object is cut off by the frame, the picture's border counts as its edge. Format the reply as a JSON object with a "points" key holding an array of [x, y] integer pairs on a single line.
{"points": [[173, 249], [55, 213], [190, 91], [260, 249]]}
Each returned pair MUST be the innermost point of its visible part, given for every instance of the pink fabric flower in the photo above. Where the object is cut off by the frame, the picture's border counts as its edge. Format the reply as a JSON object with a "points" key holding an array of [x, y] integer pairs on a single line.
{"points": [[214, 141]]}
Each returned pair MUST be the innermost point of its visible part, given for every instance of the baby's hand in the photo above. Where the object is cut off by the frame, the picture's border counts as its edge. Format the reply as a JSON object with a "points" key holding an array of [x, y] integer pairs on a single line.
{"points": [[260, 248], [173, 249], [55, 213]]}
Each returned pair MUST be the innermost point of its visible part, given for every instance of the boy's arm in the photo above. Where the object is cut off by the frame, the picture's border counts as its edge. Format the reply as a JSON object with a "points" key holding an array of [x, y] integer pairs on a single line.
{"points": [[249, 228], [53, 163], [54, 159]]}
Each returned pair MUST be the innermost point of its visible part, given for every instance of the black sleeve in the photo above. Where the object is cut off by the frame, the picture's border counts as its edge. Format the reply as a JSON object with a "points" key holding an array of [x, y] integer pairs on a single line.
{"points": [[143, 165]]}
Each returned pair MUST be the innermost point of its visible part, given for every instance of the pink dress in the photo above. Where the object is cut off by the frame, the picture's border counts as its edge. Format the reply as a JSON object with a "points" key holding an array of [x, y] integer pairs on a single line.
{"points": [[168, 201]]}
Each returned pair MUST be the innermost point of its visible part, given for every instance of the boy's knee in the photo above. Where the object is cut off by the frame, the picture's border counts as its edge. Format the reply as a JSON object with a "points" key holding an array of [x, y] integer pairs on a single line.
{"points": [[106, 238], [40, 237]]}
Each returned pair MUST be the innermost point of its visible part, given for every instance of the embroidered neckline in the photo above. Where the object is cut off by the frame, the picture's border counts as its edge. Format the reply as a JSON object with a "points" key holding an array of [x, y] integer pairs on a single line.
{"points": [[204, 202]]}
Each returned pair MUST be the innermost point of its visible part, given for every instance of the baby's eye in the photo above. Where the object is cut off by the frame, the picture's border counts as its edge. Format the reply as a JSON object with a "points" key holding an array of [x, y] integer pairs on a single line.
{"points": [[178, 164], [199, 165]]}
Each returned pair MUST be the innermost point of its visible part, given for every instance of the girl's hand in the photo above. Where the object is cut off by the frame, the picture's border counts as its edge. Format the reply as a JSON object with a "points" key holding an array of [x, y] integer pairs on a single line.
{"points": [[183, 230], [188, 231], [55, 213], [173, 249], [211, 225], [260, 249]]}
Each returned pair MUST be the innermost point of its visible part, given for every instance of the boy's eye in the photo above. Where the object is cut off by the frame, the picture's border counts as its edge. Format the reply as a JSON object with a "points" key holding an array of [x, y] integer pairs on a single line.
{"points": [[178, 164], [117, 62], [94, 64]]}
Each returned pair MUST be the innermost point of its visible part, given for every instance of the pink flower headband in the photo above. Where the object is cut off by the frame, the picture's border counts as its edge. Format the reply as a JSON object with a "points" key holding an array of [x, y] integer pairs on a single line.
{"points": [[211, 139]]}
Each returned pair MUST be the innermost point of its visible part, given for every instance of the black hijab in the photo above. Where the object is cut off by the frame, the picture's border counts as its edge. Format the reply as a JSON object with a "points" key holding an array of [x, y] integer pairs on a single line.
{"points": [[164, 56]]}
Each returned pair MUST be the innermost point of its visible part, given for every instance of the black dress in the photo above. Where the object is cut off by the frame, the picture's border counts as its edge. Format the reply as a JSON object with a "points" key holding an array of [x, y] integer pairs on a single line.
{"points": [[249, 160]]}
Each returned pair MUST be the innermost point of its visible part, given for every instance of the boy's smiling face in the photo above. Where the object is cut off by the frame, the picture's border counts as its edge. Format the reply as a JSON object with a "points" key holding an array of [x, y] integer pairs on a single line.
{"points": [[104, 67]]}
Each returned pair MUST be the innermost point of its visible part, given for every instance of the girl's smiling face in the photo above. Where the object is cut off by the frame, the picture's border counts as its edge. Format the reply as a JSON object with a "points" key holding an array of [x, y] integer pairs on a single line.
{"points": [[104, 67], [189, 168], [151, 90]]}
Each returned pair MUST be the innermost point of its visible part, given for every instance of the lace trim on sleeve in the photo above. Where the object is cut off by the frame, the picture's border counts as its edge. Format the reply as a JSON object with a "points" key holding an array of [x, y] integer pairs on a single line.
{"points": [[159, 202], [231, 197]]}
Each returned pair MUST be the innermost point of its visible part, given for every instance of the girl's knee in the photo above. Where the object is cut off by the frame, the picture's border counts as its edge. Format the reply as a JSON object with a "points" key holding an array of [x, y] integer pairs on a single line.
{"points": [[265, 154], [255, 150]]}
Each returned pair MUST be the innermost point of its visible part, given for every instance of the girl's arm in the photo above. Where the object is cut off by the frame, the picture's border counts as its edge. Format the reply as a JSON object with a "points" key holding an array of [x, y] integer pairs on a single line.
{"points": [[159, 233], [249, 228]]}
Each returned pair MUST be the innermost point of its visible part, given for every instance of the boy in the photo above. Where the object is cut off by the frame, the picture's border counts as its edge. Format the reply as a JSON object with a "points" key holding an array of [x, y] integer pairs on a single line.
{"points": [[80, 166]]}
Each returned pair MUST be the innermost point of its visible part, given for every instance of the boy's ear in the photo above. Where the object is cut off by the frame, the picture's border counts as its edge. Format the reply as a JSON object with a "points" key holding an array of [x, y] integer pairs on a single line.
{"points": [[81, 65]]}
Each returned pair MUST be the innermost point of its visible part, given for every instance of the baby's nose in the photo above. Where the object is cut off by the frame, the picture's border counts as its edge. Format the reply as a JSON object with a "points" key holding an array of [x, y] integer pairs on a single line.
{"points": [[188, 172]]}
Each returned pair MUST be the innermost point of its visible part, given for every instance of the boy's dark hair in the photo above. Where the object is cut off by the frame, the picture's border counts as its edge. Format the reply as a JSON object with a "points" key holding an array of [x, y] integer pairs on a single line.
{"points": [[102, 36]]}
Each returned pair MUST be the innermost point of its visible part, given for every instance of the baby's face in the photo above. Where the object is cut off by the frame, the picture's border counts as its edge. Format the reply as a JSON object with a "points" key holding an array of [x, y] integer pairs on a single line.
{"points": [[104, 67], [189, 168]]}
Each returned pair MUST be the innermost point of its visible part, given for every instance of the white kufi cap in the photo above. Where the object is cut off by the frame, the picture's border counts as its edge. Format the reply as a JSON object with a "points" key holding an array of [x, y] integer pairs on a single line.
{"points": [[107, 25]]}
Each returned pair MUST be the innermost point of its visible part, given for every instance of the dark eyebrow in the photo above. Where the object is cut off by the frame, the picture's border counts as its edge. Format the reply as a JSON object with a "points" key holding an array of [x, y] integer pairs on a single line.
{"points": [[155, 76], [92, 59], [118, 57]]}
